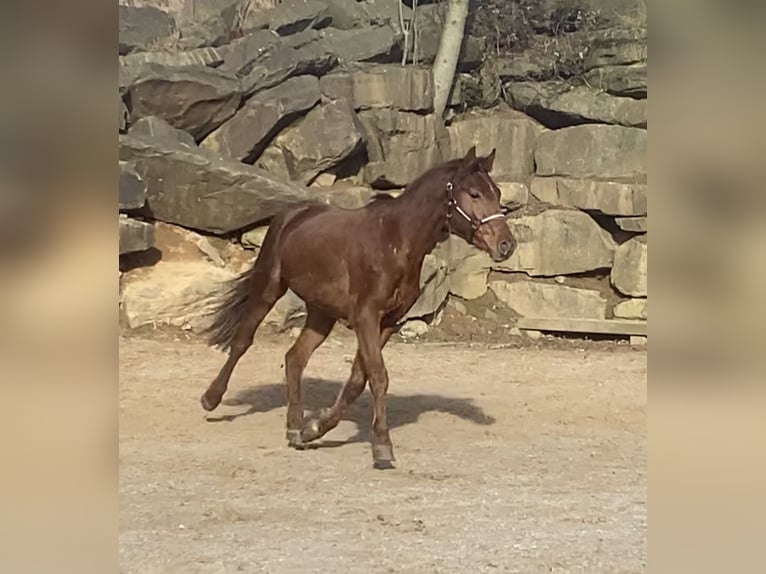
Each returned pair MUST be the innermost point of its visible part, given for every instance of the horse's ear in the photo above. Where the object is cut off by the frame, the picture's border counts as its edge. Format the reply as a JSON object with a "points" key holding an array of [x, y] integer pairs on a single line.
{"points": [[488, 161], [471, 155]]}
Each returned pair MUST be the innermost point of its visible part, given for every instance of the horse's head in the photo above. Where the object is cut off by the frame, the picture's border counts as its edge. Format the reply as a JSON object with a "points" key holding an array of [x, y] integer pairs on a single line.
{"points": [[475, 212]]}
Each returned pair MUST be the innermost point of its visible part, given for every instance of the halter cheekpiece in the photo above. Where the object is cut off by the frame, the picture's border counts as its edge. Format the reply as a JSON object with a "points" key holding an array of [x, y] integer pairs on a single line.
{"points": [[475, 223]]}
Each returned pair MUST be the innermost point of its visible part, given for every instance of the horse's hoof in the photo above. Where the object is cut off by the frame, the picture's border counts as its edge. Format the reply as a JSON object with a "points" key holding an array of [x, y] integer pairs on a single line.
{"points": [[294, 440], [383, 464], [210, 403], [311, 431], [383, 456]]}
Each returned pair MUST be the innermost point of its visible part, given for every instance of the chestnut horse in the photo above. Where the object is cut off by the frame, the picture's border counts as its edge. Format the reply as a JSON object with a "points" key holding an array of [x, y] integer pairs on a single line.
{"points": [[361, 266]]}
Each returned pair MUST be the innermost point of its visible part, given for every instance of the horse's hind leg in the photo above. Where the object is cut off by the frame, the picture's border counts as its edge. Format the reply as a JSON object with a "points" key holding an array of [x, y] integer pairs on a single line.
{"points": [[315, 331], [267, 288], [329, 419]]}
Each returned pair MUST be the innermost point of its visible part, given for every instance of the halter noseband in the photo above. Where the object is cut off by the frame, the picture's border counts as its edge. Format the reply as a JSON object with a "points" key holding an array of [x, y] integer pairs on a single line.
{"points": [[475, 223]]}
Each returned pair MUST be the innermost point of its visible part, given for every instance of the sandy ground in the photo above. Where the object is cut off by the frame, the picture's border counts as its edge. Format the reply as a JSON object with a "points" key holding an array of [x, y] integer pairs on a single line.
{"points": [[508, 460]]}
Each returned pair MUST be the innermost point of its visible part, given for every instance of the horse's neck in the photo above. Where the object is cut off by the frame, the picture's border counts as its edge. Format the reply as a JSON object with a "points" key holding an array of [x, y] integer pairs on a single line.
{"points": [[422, 216]]}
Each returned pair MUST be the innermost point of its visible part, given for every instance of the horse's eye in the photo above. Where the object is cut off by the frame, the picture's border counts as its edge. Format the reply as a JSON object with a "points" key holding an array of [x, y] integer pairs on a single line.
{"points": [[473, 193]]}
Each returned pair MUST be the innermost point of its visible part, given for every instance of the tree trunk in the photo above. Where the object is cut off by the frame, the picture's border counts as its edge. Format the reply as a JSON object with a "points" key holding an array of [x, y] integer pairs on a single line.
{"points": [[448, 53]]}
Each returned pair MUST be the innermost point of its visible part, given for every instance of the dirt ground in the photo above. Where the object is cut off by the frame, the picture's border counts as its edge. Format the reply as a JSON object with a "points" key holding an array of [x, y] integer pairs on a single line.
{"points": [[529, 459]]}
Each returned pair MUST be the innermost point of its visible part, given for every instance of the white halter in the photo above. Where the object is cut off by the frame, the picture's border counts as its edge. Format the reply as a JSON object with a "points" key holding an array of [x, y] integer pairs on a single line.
{"points": [[475, 223]]}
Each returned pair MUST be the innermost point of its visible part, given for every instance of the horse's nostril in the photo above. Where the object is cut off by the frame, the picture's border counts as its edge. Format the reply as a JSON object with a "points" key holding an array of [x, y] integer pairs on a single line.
{"points": [[504, 248]]}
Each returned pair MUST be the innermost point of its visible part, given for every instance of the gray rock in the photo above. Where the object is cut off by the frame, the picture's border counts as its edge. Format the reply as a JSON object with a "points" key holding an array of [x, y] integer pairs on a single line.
{"points": [[242, 52], [280, 62], [132, 188], [434, 287], [194, 99], [430, 22], [152, 127], [196, 57], [135, 235], [616, 47], [196, 191], [413, 329], [124, 117], [208, 22], [347, 15], [322, 139], [620, 80], [630, 309], [375, 44], [402, 145], [244, 136], [289, 17], [513, 194], [466, 92], [405, 88], [609, 197], [144, 28], [558, 104], [513, 134], [530, 299], [558, 242], [179, 293], [592, 151], [273, 162], [253, 239], [633, 224], [286, 311], [629, 272]]}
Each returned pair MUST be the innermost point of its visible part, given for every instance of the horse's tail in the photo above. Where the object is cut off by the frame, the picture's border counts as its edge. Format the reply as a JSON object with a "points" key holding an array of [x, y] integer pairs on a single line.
{"points": [[262, 281], [228, 310], [233, 302]]}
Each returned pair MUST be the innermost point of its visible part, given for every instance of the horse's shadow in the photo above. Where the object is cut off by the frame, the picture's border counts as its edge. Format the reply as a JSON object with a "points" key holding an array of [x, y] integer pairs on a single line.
{"points": [[320, 393]]}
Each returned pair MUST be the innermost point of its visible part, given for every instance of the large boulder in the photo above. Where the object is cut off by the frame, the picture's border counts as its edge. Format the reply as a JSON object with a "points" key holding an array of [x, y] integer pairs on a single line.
{"points": [[558, 104], [434, 285], [374, 44], [195, 99], [280, 61], [242, 52], [132, 188], [144, 27], [609, 197], [208, 22], [430, 24], [288, 17], [178, 293], [630, 309], [175, 59], [531, 299], [405, 88], [135, 235], [197, 191], [632, 224], [246, 134], [402, 145], [322, 139], [558, 242], [616, 47], [620, 80], [592, 151], [513, 134], [152, 127], [363, 13], [629, 273]]}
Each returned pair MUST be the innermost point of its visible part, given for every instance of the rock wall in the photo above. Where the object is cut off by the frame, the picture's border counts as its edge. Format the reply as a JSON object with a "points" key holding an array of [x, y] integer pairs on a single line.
{"points": [[232, 110]]}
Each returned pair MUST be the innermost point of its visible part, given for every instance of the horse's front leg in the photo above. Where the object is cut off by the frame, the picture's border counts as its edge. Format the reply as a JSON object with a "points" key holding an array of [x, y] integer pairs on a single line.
{"points": [[370, 352], [329, 419]]}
